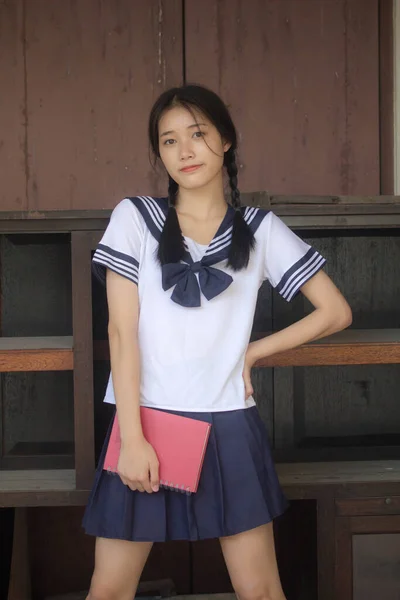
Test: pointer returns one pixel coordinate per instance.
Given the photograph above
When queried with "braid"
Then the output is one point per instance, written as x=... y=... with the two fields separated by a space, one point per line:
x=171 y=248
x=232 y=170
x=242 y=237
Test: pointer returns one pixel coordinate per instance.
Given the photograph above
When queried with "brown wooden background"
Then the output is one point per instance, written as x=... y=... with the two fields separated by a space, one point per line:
x=77 y=81
x=309 y=86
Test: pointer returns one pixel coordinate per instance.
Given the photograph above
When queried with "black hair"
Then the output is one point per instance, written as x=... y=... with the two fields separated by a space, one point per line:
x=171 y=246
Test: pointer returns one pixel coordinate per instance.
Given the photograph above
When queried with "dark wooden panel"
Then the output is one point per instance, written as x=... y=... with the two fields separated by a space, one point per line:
x=93 y=70
x=36 y=287
x=386 y=96
x=283 y=408
x=343 y=563
x=170 y=560
x=81 y=246
x=13 y=113
x=376 y=566
x=57 y=532
x=381 y=554
x=302 y=81
x=326 y=545
x=37 y=407
x=363 y=402
x=368 y=506
x=210 y=574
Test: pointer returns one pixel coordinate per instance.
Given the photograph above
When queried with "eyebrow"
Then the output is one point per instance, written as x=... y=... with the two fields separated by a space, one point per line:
x=190 y=126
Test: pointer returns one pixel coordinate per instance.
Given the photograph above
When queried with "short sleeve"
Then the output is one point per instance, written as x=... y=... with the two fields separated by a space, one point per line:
x=289 y=261
x=119 y=248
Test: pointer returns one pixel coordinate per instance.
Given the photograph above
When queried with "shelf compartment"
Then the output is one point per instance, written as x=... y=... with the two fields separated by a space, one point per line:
x=39 y=455
x=36 y=354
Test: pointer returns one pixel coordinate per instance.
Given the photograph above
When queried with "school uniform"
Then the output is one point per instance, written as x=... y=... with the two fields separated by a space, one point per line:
x=194 y=328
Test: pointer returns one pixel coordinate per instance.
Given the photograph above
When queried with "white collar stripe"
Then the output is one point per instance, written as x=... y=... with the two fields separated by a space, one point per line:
x=315 y=259
x=152 y=213
x=157 y=209
x=305 y=277
x=102 y=256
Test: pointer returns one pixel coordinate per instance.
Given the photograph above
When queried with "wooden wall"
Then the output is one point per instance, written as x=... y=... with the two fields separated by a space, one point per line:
x=301 y=78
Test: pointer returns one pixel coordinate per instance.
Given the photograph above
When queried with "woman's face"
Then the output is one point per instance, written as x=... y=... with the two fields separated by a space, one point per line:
x=191 y=149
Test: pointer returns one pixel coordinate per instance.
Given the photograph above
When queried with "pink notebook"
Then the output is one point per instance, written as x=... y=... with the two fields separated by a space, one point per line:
x=180 y=444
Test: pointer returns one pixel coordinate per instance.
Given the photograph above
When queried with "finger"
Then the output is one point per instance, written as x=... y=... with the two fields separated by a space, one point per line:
x=154 y=477
x=123 y=479
x=146 y=484
x=139 y=487
x=247 y=385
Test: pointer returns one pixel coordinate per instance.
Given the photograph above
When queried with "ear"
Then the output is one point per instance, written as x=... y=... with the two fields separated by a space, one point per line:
x=226 y=146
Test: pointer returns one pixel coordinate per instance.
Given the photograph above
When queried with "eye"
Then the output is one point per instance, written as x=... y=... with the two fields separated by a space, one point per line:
x=198 y=134
x=169 y=142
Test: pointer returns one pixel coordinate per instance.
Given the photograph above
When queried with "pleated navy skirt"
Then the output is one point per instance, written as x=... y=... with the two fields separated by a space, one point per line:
x=238 y=490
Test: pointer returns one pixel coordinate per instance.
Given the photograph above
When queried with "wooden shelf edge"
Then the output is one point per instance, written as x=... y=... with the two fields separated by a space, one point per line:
x=44 y=487
x=36 y=354
x=311 y=356
x=350 y=347
x=36 y=360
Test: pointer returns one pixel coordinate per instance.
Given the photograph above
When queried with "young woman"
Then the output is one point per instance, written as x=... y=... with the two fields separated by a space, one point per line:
x=182 y=276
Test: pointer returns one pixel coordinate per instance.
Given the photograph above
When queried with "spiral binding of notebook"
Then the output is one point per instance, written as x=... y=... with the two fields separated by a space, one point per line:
x=174 y=487
x=166 y=485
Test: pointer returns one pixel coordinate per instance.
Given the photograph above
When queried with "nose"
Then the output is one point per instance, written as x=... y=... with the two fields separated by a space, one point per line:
x=186 y=151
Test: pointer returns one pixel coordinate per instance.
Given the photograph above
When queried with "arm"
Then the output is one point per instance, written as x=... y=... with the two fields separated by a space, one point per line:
x=332 y=313
x=138 y=464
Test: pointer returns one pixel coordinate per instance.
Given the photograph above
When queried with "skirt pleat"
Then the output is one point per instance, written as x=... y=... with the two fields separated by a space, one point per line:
x=238 y=489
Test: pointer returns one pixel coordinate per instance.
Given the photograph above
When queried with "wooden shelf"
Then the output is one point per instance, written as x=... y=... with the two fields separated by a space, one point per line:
x=350 y=347
x=54 y=487
x=36 y=354
x=57 y=487
x=39 y=455
x=338 y=473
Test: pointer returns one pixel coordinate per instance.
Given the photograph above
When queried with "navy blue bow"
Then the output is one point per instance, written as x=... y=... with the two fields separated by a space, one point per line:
x=187 y=289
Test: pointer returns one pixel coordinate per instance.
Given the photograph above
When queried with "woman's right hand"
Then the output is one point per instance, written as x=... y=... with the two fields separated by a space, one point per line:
x=138 y=466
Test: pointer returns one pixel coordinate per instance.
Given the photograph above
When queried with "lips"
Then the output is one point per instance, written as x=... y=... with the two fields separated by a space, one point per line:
x=190 y=169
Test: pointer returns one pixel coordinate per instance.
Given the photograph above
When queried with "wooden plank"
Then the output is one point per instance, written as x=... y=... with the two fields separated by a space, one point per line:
x=36 y=354
x=326 y=212
x=375 y=564
x=352 y=507
x=102 y=79
x=326 y=545
x=343 y=560
x=27 y=344
x=45 y=487
x=350 y=347
x=314 y=67
x=386 y=96
x=338 y=473
x=334 y=200
x=13 y=107
x=353 y=346
x=37 y=480
x=20 y=575
x=81 y=247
